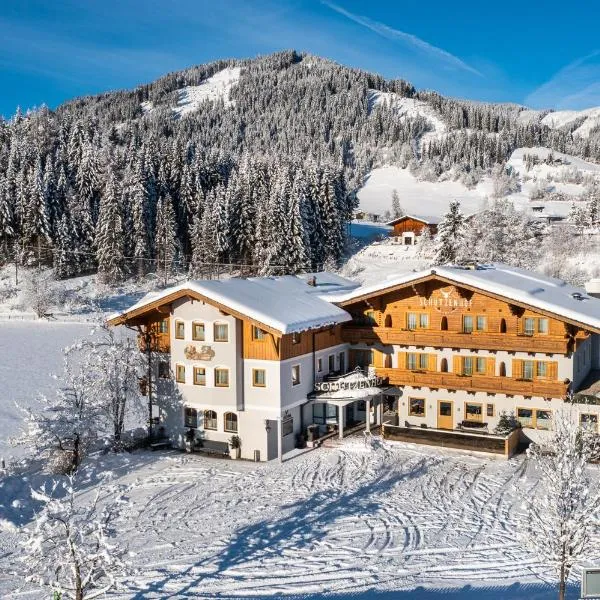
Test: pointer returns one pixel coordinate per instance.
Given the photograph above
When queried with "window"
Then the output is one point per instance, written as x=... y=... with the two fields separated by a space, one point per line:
x=210 y=419
x=221 y=331
x=589 y=422
x=180 y=374
x=163 y=370
x=198 y=331
x=221 y=377
x=411 y=321
x=411 y=361
x=467 y=324
x=468 y=365
x=473 y=411
x=423 y=321
x=295 y=374
x=444 y=365
x=480 y=365
x=231 y=422
x=481 y=323
x=528 y=369
x=444 y=324
x=541 y=369
x=319 y=365
x=259 y=378
x=502 y=369
x=423 y=362
x=331 y=362
x=489 y=410
x=361 y=358
x=528 y=326
x=199 y=376
x=525 y=417
x=287 y=426
x=417 y=321
x=163 y=326
x=543 y=419
x=179 y=330
x=296 y=337
x=416 y=407
x=370 y=317
x=502 y=325
x=543 y=326
x=342 y=362
x=258 y=334
x=190 y=417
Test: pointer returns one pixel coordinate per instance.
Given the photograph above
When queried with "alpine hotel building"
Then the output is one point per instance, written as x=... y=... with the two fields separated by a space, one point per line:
x=452 y=348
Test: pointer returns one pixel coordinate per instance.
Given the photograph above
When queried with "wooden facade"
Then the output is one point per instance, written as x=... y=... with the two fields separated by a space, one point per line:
x=408 y=224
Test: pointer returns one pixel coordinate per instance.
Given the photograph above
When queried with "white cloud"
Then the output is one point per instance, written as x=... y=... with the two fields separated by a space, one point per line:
x=575 y=87
x=395 y=34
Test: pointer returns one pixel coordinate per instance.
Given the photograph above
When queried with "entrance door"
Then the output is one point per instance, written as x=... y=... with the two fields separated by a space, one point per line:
x=445 y=418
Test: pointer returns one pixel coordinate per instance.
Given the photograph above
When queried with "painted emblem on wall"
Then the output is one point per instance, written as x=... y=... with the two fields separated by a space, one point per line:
x=449 y=301
x=192 y=353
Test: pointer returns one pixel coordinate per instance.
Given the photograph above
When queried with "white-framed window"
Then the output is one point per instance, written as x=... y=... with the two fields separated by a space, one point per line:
x=296 y=375
x=221 y=332
x=423 y=320
x=411 y=361
x=528 y=326
x=467 y=323
x=480 y=365
x=543 y=326
x=423 y=362
x=319 y=365
x=528 y=369
x=468 y=365
x=411 y=321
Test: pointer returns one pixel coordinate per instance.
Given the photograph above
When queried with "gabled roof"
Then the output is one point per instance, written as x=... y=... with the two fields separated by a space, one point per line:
x=283 y=304
x=430 y=220
x=523 y=288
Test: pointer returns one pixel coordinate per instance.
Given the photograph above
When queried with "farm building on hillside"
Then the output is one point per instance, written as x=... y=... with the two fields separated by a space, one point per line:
x=409 y=227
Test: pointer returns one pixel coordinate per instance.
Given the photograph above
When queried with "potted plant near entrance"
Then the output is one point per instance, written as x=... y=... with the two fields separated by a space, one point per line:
x=235 y=445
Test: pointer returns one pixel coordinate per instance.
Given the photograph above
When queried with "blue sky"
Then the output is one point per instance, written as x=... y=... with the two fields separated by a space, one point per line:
x=541 y=53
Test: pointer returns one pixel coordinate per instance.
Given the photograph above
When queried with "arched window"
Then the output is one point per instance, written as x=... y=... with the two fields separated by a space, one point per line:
x=444 y=325
x=502 y=369
x=444 y=365
x=210 y=419
x=231 y=422
x=502 y=325
x=388 y=361
x=388 y=320
x=190 y=417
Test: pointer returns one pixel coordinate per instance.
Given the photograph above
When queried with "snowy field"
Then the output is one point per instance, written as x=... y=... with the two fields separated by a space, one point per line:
x=347 y=521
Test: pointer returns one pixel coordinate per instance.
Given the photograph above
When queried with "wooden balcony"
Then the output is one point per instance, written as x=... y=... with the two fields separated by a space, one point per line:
x=451 y=339
x=159 y=343
x=475 y=383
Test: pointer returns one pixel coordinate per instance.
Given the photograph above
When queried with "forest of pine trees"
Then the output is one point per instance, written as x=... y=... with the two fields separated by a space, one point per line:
x=99 y=185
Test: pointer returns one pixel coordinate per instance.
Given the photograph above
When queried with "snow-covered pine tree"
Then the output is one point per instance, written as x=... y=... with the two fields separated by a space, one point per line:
x=564 y=504
x=449 y=235
x=165 y=241
x=397 y=210
x=36 y=228
x=140 y=222
x=65 y=256
x=7 y=231
x=296 y=255
x=71 y=548
x=110 y=234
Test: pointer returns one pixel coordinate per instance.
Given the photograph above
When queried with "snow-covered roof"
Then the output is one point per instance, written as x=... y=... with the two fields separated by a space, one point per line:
x=287 y=304
x=526 y=287
x=428 y=220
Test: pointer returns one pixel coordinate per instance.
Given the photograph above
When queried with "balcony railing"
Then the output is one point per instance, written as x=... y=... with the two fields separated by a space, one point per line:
x=450 y=339
x=476 y=383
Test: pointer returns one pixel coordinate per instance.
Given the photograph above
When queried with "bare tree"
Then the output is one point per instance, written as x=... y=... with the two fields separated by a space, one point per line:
x=39 y=292
x=71 y=547
x=561 y=515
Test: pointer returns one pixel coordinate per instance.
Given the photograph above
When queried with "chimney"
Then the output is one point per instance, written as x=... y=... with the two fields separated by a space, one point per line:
x=312 y=281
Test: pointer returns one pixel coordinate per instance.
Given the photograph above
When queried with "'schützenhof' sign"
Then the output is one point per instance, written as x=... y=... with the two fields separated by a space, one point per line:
x=360 y=384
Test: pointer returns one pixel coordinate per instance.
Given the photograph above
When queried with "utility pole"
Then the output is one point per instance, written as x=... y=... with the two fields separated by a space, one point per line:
x=148 y=339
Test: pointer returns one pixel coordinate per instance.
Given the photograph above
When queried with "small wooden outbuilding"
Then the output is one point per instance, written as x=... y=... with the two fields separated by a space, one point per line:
x=409 y=227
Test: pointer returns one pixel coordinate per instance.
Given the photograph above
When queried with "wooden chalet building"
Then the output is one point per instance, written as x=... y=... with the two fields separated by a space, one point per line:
x=410 y=227
x=448 y=350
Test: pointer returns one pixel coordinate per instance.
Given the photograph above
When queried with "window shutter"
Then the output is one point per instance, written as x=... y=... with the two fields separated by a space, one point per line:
x=456 y=364
x=552 y=370
x=433 y=362
x=402 y=360
x=378 y=358
x=517 y=368
x=490 y=367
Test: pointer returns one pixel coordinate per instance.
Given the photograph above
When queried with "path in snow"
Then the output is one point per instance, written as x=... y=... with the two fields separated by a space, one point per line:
x=343 y=520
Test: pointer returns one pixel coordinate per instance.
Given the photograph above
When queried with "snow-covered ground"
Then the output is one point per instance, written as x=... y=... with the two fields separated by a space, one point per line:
x=346 y=521
x=214 y=88
x=432 y=198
